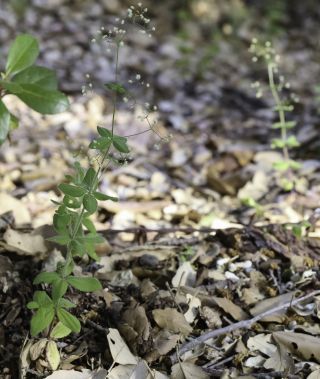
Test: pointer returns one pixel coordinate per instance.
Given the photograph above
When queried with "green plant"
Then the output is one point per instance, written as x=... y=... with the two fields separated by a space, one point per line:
x=36 y=86
x=283 y=105
x=299 y=229
x=252 y=203
x=71 y=221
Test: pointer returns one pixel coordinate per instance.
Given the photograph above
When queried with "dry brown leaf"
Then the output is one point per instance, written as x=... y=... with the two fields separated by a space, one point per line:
x=67 y=374
x=280 y=360
x=37 y=349
x=232 y=309
x=20 y=212
x=185 y=276
x=271 y=303
x=118 y=348
x=314 y=375
x=299 y=344
x=187 y=370
x=24 y=243
x=194 y=305
x=171 y=319
x=252 y=295
x=165 y=341
x=138 y=320
x=262 y=343
x=211 y=316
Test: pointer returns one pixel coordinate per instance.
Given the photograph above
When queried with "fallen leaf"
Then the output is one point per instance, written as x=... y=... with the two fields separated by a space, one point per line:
x=24 y=243
x=171 y=319
x=138 y=320
x=194 y=304
x=229 y=307
x=185 y=276
x=118 y=348
x=299 y=344
x=37 y=348
x=280 y=360
x=271 y=303
x=53 y=355
x=67 y=374
x=262 y=343
x=187 y=370
x=314 y=375
x=20 y=212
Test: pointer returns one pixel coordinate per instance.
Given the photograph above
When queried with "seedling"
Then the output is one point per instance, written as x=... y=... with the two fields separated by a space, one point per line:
x=283 y=105
x=36 y=86
x=81 y=194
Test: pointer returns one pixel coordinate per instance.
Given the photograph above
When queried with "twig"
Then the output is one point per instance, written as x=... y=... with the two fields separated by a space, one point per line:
x=244 y=324
x=160 y=230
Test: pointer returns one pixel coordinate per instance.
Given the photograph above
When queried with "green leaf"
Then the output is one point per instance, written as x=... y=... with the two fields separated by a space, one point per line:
x=90 y=179
x=101 y=143
x=32 y=305
x=68 y=320
x=120 y=143
x=41 y=99
x=60 y=240
x=4 y=122
x=281 y=165
x=76 y=247
x=14 y=122
x=43 y=299
x=59 y=288
x=278 y=143
x=292 y=142
x=91 y=239
x=46 y=277
x=90 y=203
x=285 y=108
x=104 y=132
x=89 y=225
x=92 y=253
x=64 y=303
x=41 y=76
x=22 y=54
x=80 y=173
x=294 y=165
x=41 y=320
x=61 y=222
x=71 y=202
x=285 y=125
x=84 y=284
x=102 y=196
x=60 y=331
x=71 y=190
x=116 y=87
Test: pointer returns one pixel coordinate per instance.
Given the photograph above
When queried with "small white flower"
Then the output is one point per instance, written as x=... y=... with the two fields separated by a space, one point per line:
x=138 y=76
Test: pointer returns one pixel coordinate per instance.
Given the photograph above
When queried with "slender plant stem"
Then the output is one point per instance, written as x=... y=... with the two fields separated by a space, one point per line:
x=281 y=112
x=105 y=155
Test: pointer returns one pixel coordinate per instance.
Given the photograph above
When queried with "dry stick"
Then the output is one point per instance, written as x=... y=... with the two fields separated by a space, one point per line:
x=160 y=230
x=244 y=324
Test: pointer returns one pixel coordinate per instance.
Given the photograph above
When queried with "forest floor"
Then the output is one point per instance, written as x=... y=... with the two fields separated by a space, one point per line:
x=185 y=256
